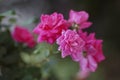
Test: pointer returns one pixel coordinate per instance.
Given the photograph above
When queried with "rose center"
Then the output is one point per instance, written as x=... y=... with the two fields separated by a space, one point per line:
x=75 y=26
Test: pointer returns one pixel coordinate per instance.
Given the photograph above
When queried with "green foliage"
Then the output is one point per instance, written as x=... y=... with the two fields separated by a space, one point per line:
x=98 y=75
x=50 y=64
x=65 y=69
x=38 y=56
x=8 y=49
x=12 y=20
x=11 y=65
x=29 y=21
x=8 y=13
x=1 y=17
x=9 y=56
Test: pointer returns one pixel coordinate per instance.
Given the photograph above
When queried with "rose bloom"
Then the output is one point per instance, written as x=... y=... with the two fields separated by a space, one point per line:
x=50 y=27
x=92 y=52
x=79 y=19
x=71 y=44
x=23 y=35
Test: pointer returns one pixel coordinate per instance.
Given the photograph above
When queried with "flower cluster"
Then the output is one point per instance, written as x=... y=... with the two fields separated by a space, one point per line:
x=82 y=47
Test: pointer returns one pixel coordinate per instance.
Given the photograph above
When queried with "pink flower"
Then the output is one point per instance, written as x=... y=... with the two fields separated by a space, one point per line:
x=80 y=19
x=71 y=44
x=22 y=35
x=50 y=27
x=92 y=52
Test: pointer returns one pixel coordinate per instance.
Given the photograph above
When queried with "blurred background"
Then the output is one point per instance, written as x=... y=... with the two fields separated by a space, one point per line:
x=105 y=15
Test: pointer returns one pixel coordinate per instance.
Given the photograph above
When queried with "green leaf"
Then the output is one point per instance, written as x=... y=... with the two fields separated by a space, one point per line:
x=98 y=75
x=34 y=59
x=37 y=58
x=12 y=20
x=6 y=39
x=42 y=47
x=1 y=17
x=26 y=57
x=29 y=21
x=40 y=55
x=8 y=13
x=2 y=51
x=36 y=20
x=65 y=69
x=28 y=77
x=10 y=59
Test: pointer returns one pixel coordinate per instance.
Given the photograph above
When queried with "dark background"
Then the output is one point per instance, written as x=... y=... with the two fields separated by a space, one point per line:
x=105 y=15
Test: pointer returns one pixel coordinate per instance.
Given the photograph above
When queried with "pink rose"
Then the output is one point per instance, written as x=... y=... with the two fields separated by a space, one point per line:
x=50 y=27
x=22 y=35
x=92 y=52
x=71 y=44
x=80 y=19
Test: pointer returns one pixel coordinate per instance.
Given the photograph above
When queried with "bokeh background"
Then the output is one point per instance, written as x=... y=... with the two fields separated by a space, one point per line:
x=105 y=15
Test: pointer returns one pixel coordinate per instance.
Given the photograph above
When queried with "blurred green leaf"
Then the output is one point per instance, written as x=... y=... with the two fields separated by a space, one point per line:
x=1 y=17
x=42 y=47
x=12 y=20
x=10 y=59
x=26 y=57
x=34 y=72
x=36 y=20
x=98 y=75
x=65 y=69
x=9 y=53
x=6 y=39
x=34 y=59
x=2 y=51
x=47 y=69
x=40 y=54
x=8 y=13
x=29 y=21
x=28 y=77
